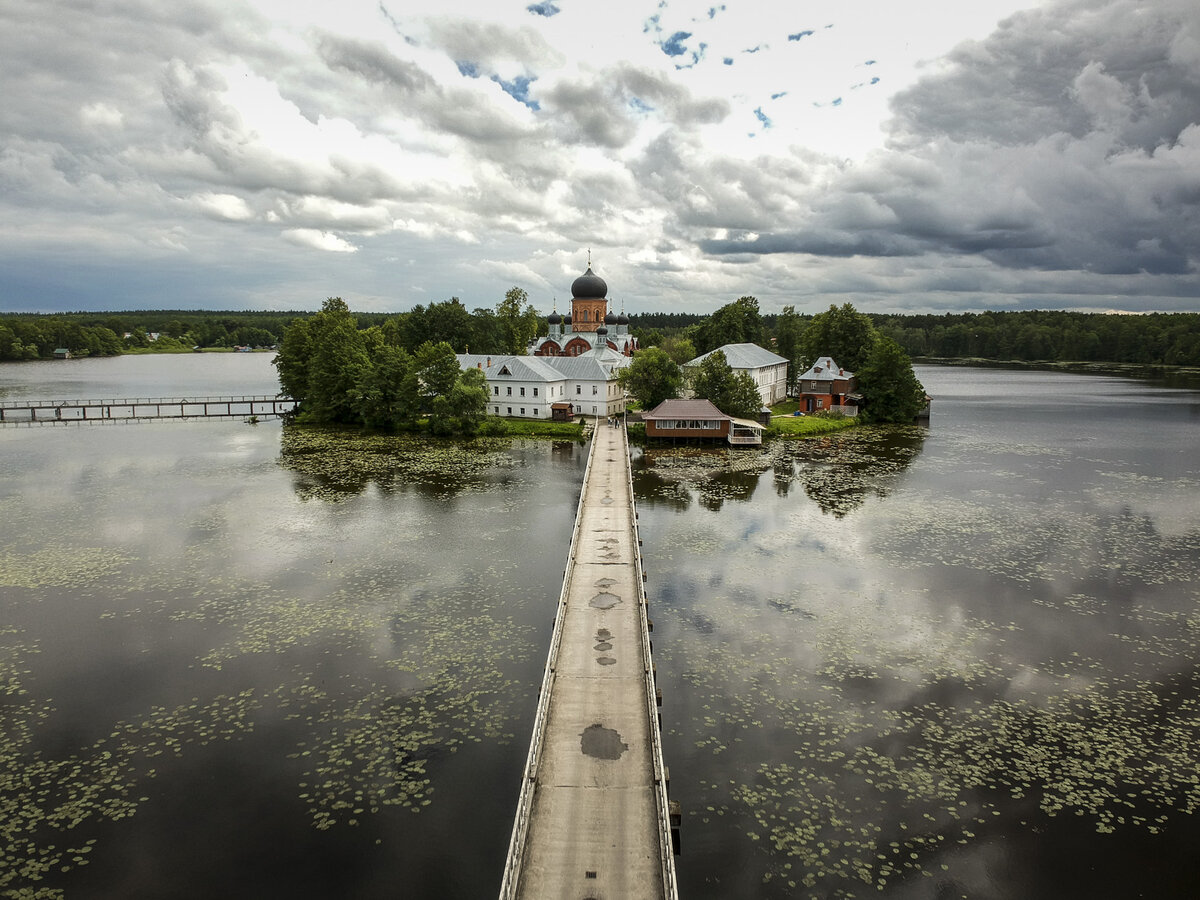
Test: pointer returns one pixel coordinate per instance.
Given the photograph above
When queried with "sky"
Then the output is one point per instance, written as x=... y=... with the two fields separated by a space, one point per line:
x=940 y=156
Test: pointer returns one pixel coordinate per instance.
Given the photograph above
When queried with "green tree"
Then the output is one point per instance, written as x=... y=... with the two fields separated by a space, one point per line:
x=743 y=400
x=449 y=322
x=733 y=393
x=788 y=329
x=712 y=379
x=387 y=395
x=518 y=321
x=889 y=387
x=337 y=364
x=651 y=378
x=292 y=360
x=468 y=401
x=436 y=370
x=843 y=333
x=734 y=323
x=679 y=348
x=486 y=334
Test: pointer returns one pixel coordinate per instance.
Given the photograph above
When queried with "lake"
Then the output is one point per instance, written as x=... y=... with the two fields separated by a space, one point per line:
x=257 y=660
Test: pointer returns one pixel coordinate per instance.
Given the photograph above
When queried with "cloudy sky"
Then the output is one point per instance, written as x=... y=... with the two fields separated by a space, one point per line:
x=933 y=156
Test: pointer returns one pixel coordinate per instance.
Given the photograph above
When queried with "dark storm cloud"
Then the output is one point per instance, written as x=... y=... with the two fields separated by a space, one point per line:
x=375 y=63
x=605 y=109
x=1068 y=142
x=1066 y=68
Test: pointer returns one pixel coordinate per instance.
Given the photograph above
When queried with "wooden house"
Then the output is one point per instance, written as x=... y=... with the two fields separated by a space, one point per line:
x=699 y=420
x=827 y=386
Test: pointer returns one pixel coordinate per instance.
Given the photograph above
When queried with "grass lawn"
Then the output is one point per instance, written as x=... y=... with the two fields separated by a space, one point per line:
x=786 y=425
x=525 y=428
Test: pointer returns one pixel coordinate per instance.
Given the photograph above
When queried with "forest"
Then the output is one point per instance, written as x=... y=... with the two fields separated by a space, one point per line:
x=1170 y=339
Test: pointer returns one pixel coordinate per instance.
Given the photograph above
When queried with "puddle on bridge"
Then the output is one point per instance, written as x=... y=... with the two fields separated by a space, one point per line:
x=604 y=600
x=599 y=742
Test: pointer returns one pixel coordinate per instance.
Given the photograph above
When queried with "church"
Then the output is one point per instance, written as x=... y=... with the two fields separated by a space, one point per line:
x=589 y=325
x=570 y=372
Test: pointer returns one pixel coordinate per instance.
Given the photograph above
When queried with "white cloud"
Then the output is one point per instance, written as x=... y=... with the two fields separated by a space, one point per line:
x=318 y=240
x=224 y=206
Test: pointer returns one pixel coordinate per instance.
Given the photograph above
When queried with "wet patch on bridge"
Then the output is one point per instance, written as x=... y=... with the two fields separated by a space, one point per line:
x=599 y=742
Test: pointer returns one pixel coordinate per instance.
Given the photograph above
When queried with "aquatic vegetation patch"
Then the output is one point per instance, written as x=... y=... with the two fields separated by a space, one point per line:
x=896 y=739
x=59 y=566
x=339 y=464
x=44 y=800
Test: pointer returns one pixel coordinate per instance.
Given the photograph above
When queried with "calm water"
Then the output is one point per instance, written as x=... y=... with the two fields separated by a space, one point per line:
x=253 y=661
x=244 y=661
x=954 y=662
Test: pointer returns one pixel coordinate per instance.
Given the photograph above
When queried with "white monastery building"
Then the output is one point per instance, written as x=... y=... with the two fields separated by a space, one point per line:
x=570 y=372
x=769 y=370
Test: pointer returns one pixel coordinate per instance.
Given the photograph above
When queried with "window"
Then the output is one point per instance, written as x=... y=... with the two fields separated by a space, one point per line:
x=535 y=392
x=522 y=392
x=535 y=410
x=509 y=389
x=578 y=390
x=496 y=390
x=595 y=390
x=497 y=410
x=510 y=410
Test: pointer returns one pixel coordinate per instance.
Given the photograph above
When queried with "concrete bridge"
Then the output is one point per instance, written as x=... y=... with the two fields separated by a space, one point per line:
x=594 y=819
x=24 y=411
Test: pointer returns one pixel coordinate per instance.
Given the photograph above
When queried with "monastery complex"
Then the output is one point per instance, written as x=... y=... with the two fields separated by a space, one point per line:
x=572 y=371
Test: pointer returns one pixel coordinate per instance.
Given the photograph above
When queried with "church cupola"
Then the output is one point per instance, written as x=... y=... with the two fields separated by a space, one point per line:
x=589 y=303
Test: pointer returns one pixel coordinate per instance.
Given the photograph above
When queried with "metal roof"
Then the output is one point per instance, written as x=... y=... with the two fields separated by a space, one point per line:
x=592 y=366
x=743 y=356
x=825 y=369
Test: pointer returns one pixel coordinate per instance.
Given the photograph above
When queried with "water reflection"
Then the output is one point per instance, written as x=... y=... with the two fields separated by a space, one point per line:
x=839 y=471
x=331 y=465
x=956 y=654
x=216 y=688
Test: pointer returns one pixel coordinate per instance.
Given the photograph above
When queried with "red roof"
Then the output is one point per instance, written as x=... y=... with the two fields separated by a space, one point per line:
x=685 y=409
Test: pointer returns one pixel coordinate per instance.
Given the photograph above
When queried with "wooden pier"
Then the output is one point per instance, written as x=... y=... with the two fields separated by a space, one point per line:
x=29 y=411
x=594 y=818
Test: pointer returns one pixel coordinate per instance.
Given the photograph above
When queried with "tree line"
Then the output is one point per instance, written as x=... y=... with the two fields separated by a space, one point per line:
x=342 y=374
x=507 y=328
x=1171 y=339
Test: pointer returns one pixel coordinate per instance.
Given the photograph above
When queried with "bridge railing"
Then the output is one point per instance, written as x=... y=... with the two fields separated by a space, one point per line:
x=662 y=800
x=142 y=401
x=520 y=832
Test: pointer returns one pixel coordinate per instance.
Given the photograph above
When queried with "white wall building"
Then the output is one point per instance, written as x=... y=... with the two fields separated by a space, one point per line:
x=526 y=387
x=769 y=370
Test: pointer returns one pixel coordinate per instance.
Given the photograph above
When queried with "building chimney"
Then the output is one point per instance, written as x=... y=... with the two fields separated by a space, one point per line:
x=489 y=362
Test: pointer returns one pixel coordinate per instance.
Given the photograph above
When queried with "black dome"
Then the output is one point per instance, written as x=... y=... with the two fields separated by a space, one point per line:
x=554 y=319
x=589 y=286
x=622 y=319
x=602 y=331
x=567 y=319
x=610 y=319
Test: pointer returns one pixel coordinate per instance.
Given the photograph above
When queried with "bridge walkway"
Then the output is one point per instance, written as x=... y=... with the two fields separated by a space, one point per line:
x=131 y=408
x=594 y=820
